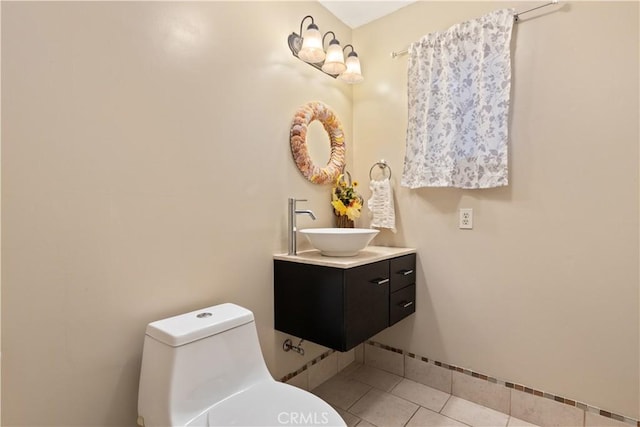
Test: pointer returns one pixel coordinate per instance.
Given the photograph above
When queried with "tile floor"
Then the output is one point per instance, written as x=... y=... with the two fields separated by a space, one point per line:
x=366 y=396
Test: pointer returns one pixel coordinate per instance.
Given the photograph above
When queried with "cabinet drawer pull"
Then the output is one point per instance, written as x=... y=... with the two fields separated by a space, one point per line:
x=406 y=272
x=380 y=281
x=407 y=304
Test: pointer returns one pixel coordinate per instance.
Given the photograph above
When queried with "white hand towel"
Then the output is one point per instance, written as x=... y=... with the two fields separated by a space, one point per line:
x=380 y=205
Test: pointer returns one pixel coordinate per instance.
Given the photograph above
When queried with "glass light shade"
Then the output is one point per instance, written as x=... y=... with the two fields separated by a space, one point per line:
x=334 y=62
x=353 y=73
x=311 y=50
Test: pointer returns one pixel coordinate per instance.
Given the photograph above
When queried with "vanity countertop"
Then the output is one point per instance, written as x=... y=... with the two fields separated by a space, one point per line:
x=366 y=256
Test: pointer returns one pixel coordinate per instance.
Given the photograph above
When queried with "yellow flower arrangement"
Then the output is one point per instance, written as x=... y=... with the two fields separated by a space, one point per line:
x=345 y=200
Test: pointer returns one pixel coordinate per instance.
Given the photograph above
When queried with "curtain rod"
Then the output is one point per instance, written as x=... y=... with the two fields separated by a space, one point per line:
x=516 y=18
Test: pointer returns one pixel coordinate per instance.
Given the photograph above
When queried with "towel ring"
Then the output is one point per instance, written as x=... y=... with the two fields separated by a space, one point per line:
x=382 y=164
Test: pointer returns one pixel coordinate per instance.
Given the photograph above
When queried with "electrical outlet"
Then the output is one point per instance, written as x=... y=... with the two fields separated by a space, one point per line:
x=465 y=219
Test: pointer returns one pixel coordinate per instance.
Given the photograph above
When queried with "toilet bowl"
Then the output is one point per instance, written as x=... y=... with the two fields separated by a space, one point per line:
x=205 y=368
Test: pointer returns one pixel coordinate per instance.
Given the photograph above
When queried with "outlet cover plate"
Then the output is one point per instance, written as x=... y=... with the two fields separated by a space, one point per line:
x=465 y=219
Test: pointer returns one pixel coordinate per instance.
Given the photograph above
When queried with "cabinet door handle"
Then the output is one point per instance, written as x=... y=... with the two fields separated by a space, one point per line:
x=407 y=304
x=380 y=281
x=406 y=272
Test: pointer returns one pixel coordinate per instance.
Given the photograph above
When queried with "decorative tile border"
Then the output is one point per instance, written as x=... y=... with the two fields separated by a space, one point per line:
x=307 y=366
x=514 y=386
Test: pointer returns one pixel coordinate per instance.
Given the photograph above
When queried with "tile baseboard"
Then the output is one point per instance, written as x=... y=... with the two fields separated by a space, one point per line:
x=498 y=382
x=318 y=370
x=306 y=366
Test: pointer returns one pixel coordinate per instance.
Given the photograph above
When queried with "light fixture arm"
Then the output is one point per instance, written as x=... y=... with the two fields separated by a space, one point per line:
x=302 y=23
x=334 y=40
x=353 y=51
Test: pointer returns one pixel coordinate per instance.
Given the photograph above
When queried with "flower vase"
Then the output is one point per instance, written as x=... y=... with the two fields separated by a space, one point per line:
x=343 y=221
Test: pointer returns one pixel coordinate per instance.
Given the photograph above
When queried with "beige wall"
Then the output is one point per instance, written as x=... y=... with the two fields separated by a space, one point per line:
x=544 y=290
x=146 y=170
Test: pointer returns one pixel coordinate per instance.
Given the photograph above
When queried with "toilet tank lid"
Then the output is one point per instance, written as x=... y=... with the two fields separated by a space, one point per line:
x=185 y=328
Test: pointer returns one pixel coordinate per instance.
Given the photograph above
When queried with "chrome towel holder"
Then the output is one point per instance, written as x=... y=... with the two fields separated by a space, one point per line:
x=382 y=164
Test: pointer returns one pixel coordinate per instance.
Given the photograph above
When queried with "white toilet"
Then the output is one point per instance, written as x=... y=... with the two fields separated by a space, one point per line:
x=205 y=368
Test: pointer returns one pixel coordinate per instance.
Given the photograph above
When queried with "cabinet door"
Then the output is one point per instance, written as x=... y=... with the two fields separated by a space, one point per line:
x=308 y=302
x=403 y=271
x=366 y=302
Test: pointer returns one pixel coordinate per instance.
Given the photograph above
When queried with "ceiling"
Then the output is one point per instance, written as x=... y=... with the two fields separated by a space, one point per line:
x=357 y=13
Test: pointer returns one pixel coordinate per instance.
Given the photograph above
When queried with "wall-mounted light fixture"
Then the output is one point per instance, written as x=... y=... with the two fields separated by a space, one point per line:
x=309 y=47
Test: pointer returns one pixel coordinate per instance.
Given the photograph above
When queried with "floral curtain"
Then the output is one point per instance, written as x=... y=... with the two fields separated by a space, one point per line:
x=459 y=82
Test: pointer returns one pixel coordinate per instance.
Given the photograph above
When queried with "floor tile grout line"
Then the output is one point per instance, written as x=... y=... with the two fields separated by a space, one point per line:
x=451 y=418
x=482 y=407
x=373 y=386
x=445 y=404
x=359 y=399
x=412 y=415
x=394 y=387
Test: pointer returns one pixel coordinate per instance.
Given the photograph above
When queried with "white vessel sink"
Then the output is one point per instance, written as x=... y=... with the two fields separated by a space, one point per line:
x=339 y=241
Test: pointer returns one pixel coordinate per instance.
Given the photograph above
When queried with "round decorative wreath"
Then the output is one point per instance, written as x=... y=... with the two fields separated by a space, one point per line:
x=298 y=139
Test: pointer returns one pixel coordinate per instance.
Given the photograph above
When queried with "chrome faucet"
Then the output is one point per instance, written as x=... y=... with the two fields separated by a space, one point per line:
x=292 y=223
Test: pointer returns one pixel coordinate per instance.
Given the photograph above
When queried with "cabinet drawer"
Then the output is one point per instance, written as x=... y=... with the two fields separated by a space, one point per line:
x=403 y=271
x=402 y=303
x=374 y=274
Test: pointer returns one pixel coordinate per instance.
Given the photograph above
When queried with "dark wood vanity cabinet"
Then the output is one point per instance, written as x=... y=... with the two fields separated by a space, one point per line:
x=341 y=307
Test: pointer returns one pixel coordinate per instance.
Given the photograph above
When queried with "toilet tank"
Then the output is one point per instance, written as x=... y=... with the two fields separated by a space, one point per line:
x=194 y=360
